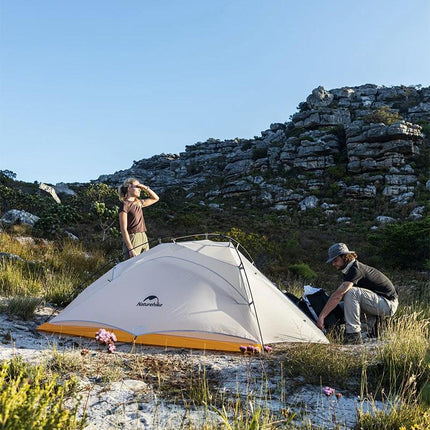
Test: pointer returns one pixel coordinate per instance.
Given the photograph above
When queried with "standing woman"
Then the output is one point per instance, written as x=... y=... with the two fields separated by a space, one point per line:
x=131 y=220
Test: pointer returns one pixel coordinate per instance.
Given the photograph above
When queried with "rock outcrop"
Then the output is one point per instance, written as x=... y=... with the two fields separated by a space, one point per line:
x=353 y=142
x=15 y=216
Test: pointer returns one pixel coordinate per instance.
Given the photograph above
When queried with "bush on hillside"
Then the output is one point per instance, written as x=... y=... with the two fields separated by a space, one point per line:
x=303 y=271
x=383 y=114
x=103 y=207
x=106 y=217
x=7 y=177
x=258 y=153
x=54 y=218
x=425 y=127
x=260 y=248
x=404 y=245
x=173 y=198
x=14 y=198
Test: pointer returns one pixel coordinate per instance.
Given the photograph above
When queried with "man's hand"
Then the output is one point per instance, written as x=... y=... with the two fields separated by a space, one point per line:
x=333 y=301
x=320 y=323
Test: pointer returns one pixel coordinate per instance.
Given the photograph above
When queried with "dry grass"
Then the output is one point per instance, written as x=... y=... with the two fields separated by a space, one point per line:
x=54 y=271
x=398 y=365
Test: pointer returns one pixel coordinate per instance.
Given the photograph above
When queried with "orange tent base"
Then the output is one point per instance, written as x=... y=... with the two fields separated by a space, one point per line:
x=147 y=339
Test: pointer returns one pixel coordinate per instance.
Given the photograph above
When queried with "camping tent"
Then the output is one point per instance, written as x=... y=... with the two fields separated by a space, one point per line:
x=195 y=294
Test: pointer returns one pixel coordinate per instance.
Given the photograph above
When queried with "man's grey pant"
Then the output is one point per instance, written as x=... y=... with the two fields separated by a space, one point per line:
x=364 y=306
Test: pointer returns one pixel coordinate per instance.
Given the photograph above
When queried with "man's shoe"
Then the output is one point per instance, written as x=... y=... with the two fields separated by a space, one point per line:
x=353 y=339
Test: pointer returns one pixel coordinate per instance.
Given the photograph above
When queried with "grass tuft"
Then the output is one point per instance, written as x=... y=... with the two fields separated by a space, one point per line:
x=23 y=307
x=326 y=364
x=403 y=355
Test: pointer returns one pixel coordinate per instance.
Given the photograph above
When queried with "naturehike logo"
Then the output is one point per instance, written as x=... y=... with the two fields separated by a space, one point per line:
x=150 y=301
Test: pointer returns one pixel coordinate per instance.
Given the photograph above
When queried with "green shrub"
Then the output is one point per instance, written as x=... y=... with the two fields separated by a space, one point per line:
x=189 y=220
x=7 y=177
x=54 y=218
x=48 y=226
x=337 y=172
x=306 y=138
x=303 y=271
x=294 y=131
x=425 y=127
x=333 y=190
x=100 y=201
x=383 y=114
x=338 y=131
x=246 y=146
x=172 y=198
x=421 y=161
x=258 y=153
x=101 y=192
x=260 y=249
x=106 y=216
x=405 y=245
x=34 y=402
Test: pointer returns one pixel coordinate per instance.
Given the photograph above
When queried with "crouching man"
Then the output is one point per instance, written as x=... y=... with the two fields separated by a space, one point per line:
x=367 y=293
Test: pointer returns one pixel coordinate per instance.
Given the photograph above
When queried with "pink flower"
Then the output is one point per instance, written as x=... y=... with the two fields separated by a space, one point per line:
x=328 y=391
x=106 y=338
x=268 y=348
x=253 y=349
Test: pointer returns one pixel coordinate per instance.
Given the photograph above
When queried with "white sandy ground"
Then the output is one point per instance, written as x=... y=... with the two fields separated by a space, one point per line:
x=133 y=404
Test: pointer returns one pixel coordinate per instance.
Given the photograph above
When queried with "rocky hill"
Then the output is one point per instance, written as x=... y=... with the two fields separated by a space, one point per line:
x=367 y=143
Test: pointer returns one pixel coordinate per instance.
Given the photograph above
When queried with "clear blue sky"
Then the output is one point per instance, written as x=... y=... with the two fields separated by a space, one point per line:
x=86 y=87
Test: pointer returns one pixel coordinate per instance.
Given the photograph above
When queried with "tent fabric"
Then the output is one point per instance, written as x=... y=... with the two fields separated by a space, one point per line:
x=196 y=294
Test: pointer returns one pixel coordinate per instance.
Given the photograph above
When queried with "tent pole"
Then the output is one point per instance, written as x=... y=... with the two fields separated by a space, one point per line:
x=242 y=267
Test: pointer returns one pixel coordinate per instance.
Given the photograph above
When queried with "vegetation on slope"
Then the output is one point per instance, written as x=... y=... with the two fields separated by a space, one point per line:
x=42 y=264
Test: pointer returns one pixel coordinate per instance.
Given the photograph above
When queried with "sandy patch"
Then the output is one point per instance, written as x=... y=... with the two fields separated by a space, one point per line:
x=150 y=388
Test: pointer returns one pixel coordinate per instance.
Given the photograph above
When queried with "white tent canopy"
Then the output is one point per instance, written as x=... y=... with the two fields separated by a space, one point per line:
x=197 y=294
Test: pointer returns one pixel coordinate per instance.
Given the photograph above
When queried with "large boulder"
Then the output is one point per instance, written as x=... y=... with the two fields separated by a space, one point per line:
x=15 y=216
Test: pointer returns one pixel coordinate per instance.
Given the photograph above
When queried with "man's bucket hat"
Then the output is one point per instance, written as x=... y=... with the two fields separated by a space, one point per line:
x=336 y=250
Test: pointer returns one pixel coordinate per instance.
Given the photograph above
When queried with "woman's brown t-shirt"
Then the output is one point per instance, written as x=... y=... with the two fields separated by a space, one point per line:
x=135 y=219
